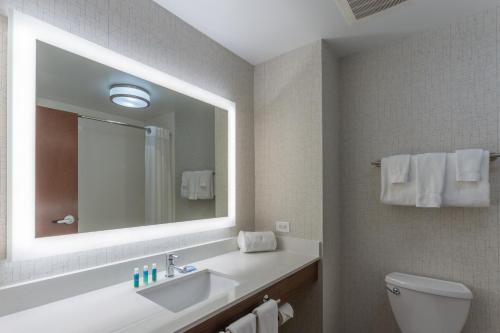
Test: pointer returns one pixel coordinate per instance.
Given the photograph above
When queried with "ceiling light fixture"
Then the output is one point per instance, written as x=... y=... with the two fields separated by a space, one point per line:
x=129 y=96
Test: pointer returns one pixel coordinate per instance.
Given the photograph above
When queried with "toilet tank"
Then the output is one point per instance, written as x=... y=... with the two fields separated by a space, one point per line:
x=423 y=305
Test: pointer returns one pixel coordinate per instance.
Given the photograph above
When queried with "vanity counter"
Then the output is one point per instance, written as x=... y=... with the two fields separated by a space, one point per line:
x=119 y=308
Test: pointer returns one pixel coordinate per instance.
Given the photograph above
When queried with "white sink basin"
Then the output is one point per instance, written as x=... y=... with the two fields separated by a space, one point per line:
x=186 y=291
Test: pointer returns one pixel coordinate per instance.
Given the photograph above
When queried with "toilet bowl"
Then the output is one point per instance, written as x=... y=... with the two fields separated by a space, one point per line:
x=425 y=305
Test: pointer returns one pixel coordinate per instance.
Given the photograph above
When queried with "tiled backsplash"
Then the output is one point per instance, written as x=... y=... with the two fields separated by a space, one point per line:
x=146 y=32
x=20 y=271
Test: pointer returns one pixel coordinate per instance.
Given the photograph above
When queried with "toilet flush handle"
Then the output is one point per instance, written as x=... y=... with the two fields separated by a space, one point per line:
x=394 y=290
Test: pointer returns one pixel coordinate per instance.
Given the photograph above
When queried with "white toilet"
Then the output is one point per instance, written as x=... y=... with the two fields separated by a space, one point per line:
x=425 y=305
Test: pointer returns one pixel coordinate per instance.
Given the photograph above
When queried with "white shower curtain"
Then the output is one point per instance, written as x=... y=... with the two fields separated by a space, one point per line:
x=159 y=176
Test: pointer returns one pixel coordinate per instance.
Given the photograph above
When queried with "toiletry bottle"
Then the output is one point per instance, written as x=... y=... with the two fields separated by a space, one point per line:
x=145 y=275
x=136 y=277
x=153 y=272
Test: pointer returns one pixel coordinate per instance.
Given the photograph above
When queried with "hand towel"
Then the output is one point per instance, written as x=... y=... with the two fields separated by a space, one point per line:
x=205 y=190
x=398 y=167
x=256 y=241
x=193 y=188
x=185 y=184
x=402 y=194
x=267 y=317
x=246 y=324
x=189 y=185
x=431 y=169
x=467 y=194
x=285 y=313
x=469 y=165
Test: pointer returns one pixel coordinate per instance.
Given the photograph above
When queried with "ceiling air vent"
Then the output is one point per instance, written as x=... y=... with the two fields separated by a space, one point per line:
x=358 y=9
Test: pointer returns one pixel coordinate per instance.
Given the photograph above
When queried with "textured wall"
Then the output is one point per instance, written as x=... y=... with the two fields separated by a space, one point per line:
x=436 y=91
x=296 y=167
x=288 y=161
x=331 y=209
x=146 y=32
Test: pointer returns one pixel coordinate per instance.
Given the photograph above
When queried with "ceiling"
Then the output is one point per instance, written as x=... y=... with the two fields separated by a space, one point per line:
x=258 y=30
x=68 y=78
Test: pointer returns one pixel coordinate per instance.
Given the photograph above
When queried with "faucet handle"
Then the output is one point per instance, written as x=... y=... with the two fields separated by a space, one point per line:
x=172 y=256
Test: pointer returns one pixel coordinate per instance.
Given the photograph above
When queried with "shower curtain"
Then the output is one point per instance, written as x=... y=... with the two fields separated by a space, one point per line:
x=159 y=176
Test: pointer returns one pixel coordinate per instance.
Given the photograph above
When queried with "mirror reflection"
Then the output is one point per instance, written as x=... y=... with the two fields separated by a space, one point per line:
x=115 y=151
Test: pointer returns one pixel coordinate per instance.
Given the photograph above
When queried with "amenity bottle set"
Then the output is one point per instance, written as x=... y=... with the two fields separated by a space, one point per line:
x=145 y=275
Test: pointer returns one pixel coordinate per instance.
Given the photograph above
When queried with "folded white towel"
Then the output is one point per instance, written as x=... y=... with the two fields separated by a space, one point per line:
x=467 y=194
x=468 y=166
x=256 y=241
x=185 y=184
x=267 y=317
x=398 y=167
x=431 y=169
x=189 y=185
x=205 y=190
x=246 y=324
x=402 y=194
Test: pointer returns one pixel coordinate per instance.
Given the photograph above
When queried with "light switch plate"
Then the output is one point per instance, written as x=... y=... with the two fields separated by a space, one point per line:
x=282 y=226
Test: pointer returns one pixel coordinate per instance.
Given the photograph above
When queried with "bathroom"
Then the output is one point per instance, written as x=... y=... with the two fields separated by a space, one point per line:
x=286 y=107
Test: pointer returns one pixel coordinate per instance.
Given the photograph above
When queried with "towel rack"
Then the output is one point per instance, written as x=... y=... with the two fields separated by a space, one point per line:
x=264 y=299
x=493 y=157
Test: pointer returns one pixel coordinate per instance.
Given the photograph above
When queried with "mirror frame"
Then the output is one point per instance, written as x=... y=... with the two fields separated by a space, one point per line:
x=24 y=31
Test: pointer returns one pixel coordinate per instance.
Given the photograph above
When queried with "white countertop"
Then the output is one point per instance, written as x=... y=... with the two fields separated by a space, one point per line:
x=119 y=308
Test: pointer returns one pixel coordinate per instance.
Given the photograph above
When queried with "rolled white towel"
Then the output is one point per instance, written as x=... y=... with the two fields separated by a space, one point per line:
x=257 y=241
x=469 y=165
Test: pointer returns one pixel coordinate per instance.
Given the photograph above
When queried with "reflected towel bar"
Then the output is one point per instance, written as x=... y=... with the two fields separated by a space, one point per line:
x=493 y=157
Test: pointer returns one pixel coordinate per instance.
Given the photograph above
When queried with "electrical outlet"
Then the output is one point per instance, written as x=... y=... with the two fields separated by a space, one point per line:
x=282 y=226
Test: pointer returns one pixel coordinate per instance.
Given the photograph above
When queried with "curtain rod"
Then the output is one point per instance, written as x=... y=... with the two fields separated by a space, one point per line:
x=114 y=122
x=493 y=157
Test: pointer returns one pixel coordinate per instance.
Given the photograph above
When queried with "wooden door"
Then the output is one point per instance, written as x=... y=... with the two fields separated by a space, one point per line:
x=56 y=171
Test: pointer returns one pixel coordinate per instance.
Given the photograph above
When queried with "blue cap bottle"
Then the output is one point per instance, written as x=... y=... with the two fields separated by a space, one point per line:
x=145 y=275
x=153 y=272
x=136 y=277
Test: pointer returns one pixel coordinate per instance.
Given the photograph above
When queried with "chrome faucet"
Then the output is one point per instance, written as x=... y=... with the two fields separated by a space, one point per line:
x=171 y=264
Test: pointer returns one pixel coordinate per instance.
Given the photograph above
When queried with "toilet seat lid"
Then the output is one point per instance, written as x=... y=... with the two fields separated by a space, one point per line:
x=429 y=285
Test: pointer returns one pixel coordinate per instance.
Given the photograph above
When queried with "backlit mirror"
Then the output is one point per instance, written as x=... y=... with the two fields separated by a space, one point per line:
x=116 y=151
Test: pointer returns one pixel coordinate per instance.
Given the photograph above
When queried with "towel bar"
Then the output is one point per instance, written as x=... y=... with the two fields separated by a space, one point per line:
x=264 y=299
x=493 y=157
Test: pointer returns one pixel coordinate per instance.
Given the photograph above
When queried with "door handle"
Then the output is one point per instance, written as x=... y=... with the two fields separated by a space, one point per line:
x=68 y=219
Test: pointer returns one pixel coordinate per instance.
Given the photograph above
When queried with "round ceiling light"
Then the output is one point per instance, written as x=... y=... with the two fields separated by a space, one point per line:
x=129 y=96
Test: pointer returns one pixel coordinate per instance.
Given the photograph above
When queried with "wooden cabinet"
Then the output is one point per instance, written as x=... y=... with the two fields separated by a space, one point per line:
x=280 y=290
